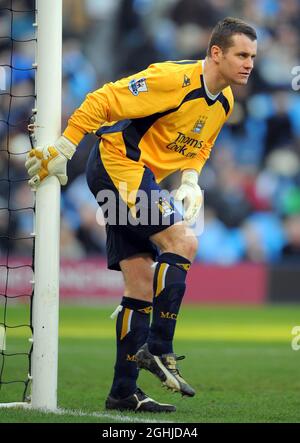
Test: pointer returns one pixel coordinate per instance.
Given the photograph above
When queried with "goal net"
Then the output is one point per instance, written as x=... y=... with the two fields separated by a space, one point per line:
x=17 y=98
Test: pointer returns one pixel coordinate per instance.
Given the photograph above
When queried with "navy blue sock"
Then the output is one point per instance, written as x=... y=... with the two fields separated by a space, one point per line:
x=169 y=288
x=132 y=329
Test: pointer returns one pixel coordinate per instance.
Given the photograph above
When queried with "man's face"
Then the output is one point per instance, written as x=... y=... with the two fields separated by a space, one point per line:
x=236 y=63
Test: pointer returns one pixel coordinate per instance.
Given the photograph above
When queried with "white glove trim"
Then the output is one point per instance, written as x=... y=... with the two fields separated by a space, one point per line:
x=65 y=147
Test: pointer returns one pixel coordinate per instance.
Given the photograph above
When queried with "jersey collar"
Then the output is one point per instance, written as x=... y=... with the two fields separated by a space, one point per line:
x=209 y=97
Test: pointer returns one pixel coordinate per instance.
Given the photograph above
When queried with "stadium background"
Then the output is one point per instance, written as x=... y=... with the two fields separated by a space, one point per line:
x=251 y=182
x=249 y=252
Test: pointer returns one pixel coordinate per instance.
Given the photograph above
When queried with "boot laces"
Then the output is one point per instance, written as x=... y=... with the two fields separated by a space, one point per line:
x=171 y=363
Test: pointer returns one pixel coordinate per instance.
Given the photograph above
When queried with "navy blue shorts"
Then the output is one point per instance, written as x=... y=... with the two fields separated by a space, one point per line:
x=127 y=236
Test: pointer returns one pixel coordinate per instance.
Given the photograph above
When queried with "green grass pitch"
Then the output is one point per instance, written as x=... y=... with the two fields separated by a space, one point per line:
x=239 y=360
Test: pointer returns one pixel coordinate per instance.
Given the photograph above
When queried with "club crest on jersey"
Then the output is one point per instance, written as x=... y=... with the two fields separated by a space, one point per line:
x=137 y=86
x=199 y=124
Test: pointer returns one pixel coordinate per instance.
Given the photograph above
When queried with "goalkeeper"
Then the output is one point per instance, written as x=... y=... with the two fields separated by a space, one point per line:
x=151 y=124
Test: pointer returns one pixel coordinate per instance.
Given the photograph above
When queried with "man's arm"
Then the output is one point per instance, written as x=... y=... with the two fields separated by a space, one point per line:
x=155 y=89
x=189 y=189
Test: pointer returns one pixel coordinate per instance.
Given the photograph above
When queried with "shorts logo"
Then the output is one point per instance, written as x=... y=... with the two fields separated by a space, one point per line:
x=199 y=124
x=165 y=207
x=137 y=86
x=147 y=310
x=184 y=266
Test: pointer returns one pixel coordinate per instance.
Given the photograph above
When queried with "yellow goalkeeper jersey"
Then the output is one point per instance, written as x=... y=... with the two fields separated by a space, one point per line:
x=162 y=117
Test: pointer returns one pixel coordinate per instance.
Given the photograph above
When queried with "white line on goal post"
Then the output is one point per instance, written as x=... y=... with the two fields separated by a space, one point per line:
x=45 y=308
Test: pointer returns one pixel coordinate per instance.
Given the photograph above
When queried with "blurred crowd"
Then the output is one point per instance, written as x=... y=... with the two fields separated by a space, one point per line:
x=251 y=182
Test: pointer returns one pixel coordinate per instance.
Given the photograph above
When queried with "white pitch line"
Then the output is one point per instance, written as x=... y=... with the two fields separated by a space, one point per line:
x=119 y=418
x=79 y=413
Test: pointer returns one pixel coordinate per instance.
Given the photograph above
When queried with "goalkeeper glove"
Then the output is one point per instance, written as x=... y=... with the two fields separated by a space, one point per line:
x=190 y=190
x=50 y=160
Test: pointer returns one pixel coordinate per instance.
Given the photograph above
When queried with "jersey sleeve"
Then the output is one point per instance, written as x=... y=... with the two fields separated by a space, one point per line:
x=155 y=89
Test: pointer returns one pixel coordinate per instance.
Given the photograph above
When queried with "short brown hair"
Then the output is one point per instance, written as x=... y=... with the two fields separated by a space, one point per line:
x=224 y=31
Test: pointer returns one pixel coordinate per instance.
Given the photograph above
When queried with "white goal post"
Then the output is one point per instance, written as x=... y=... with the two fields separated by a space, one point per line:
x=45 y=308
x=47 y=227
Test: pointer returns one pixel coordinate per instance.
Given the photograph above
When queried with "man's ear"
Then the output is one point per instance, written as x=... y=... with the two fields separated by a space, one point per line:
x=216 y=53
